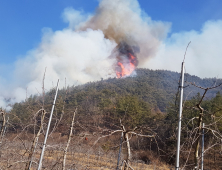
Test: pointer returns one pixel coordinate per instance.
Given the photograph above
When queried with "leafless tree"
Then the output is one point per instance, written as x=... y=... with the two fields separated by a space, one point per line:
x=69 y=139
x=193 y=136
x=128 y=134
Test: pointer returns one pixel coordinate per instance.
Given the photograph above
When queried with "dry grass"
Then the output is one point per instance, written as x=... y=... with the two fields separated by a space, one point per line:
x=52 y=160
x=81 y=155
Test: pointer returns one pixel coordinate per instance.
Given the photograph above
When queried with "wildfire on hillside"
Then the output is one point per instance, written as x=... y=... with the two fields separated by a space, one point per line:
x=126 y=60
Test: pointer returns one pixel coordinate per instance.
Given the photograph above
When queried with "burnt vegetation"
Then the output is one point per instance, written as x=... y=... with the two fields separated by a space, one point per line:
x=144 y=107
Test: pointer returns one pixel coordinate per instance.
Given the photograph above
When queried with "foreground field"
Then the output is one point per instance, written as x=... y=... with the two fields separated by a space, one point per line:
x=74 y=161
x=79 y=157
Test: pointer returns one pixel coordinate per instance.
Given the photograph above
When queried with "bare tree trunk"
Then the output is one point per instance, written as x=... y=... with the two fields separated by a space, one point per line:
x=69 y=139
x=126 y=138
x=128 y=149
x=127 y=164
x=196 y=155
x=200 y=122
x=34 y=143
x=3 y=124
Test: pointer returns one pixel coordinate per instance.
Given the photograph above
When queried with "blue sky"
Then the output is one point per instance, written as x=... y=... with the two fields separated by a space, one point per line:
x=22 y=21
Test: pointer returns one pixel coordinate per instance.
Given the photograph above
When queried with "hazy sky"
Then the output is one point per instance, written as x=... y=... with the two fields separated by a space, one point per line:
x=69 y=37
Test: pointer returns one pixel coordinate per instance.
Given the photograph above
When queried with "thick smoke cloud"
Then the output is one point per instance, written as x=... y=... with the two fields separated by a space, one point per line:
x=80 y=53
x=204 y=55
x=124 y=21
x=77 y=56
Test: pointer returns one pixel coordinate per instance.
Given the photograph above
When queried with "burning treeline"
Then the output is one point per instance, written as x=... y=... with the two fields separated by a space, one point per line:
x=137 y=38
x=126 y=59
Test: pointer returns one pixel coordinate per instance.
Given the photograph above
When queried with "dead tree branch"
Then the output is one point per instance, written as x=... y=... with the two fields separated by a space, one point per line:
x=69 y=139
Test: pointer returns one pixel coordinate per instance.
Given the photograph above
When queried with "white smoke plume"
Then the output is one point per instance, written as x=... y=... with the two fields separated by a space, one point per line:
x=124 y=21
x=204 y=54
x=80 y=53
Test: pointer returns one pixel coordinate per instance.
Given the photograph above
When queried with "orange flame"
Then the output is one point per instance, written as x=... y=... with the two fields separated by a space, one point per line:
x=126 y=68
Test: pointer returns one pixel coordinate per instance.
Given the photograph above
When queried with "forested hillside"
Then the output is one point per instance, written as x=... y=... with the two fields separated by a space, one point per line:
x=146 y=104
x=158 y=88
